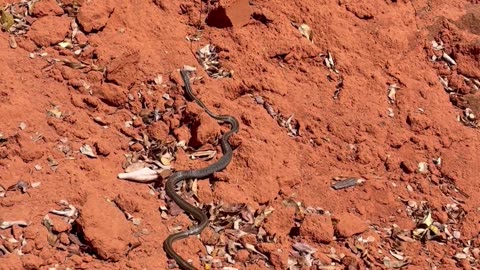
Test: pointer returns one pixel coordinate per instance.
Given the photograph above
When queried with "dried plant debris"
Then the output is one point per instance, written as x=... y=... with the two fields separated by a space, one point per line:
x=301 y=256
x=7 y=224
x=235 y=228
x=291 y=124
x=12 y=20
x=142 y=175
x=342 y=183
x=438 y=46
x=207 y=56
x=392 y=91
x=329 y=62
x=305 y=30
x=55 y=112
x=428 y=229
x=468 y=118
x=67 y=210
x=394 y=264
x=21 y=186
x=87 y=151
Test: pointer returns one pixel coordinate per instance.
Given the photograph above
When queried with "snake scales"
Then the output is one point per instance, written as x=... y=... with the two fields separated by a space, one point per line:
x=180 y=176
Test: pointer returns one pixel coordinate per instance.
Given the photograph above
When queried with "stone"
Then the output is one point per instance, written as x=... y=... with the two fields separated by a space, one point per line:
x=59 y=224
x=124 y=68
x=46 y=8
x=205 y=131
x=158 y=131
x=230 y=13
x=349 y=224
x=93 y=15
x=32 y=262
x=317 y=228
x=49 y=30
x=11 y=262
x=105 y=228
x=112 y=94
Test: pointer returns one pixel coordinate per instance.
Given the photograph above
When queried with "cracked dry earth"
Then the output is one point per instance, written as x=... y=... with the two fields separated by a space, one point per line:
x=359 y=150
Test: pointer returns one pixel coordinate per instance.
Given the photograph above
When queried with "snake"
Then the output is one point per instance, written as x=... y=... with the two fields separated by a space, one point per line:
x=179 y=176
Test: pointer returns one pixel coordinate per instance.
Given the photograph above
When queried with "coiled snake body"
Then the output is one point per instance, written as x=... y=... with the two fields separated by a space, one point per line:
x=180 y=176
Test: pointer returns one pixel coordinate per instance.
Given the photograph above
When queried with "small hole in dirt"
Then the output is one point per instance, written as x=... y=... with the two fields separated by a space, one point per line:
x=261 y=18
x=294 y=232
x=77 y=232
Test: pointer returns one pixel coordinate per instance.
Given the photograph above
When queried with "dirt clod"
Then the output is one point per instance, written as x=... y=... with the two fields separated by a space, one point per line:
x=317 y=228
x=349 y=224
x=49 y=30
x=105 y=228
x=46 y=8
x=311 y=85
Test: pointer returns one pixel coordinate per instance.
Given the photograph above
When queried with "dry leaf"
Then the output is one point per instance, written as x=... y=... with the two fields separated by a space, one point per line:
x=392 y=91
x=7 y=224
x=87 y=151
x=70 y=211
x=306 y=31
x=393 y=264
x=55 y=112
x=6 y=20
x=205 y=155
x=66 y=44
x=12 y=42
x=166 y=159
x=158 y=80
x=422 y=167
x=143 y=175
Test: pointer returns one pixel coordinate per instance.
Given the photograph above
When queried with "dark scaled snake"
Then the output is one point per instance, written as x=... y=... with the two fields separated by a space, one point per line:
x=202 y=173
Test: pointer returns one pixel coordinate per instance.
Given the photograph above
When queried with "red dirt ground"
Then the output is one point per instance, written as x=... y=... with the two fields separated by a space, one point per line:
x=359 y=134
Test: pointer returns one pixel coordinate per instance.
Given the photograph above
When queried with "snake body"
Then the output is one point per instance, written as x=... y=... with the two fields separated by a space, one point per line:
x=180 y=176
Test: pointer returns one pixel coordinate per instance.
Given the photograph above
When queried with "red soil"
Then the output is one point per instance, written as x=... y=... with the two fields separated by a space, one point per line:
x=358 y=134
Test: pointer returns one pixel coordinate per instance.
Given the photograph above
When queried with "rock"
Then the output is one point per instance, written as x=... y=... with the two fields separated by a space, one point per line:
x=277 y=257
x=26 y=44
x=361 y=10
x=49 y=30
x=32 y=262
x=59 y=225
x=93 y=15
x=317 y=228
x=230 y=13
x=418 y=122
x=112 y=95
x=322 y=258
x=46 y=8
x=205 y=132
x=127 y=202
x=63 y=239
x=29 y=150
x=280 y=221
x=158 y=131
x=182 y=134
x=81 y=38
x=242 y=255
x=11 y=262
x=105 y=228
x=123 y=69
x=408 y=166
x=348 y=225
x=102 y=148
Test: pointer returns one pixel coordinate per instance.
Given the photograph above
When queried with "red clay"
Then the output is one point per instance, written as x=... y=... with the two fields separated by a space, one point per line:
x=103 y=84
